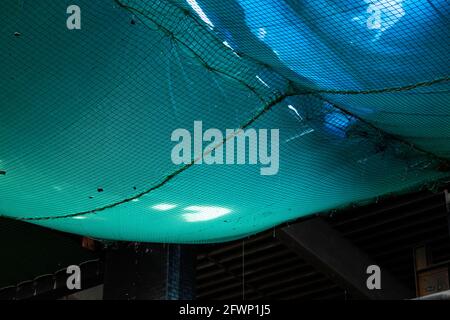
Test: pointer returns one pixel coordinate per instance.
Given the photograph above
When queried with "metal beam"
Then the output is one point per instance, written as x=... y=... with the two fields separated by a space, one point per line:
x=328 y=251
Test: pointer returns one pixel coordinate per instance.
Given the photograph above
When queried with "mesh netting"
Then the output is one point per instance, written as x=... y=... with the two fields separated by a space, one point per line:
x=358 y=90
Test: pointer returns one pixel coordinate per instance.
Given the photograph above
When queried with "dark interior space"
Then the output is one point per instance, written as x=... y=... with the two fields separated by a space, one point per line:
x=392 y=232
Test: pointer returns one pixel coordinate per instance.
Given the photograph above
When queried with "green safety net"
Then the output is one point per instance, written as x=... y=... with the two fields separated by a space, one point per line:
x=358 y=89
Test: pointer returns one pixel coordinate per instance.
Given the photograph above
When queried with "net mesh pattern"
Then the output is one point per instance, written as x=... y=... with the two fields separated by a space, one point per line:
x=358 y=90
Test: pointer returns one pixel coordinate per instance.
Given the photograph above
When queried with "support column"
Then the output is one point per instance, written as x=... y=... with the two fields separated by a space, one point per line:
x=447 y=206
x=147 y=271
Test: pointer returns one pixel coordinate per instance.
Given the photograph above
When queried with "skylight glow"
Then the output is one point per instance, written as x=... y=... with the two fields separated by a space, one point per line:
x=200 y=12
x=204 y=213
x=262 y=81
x=164 y=206
x=295 y=110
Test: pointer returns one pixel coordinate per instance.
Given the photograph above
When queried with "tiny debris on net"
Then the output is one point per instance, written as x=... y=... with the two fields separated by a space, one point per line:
x=2 y=172
x=17 y=34
x=100 y=189
x=444 y=166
